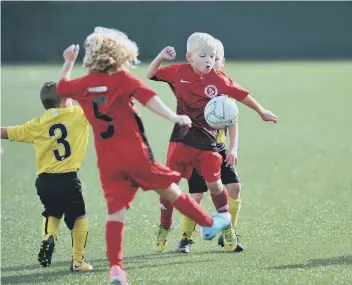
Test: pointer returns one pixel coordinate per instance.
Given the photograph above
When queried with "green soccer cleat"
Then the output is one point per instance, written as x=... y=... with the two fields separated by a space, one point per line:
x=161 y=239
x=239 y=247
x=230 y=239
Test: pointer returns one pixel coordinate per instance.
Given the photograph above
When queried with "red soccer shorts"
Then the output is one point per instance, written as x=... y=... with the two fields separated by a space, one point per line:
x=183 y=159
x=122 y=175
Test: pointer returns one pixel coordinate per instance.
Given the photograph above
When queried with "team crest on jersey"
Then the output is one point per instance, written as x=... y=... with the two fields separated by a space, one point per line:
x=211 y=91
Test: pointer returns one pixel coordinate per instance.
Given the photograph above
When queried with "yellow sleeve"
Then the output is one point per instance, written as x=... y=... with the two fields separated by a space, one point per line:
x=23 y=133
x=79 y=111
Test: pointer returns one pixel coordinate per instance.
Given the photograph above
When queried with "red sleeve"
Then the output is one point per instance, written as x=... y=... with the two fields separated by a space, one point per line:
x=166 y=73
x=140 y=90
x=231 y=88
x=71 y=88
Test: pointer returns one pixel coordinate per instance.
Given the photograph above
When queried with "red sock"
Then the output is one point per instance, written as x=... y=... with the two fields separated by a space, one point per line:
x=221 y=202
x=114 y=242
x=189 y=207
x=166 y=210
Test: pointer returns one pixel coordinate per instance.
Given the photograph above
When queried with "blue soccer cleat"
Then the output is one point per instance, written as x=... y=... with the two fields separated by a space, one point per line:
x=220 y=222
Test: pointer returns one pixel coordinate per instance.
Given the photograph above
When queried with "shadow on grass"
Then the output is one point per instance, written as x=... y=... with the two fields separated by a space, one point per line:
x=340 y=260
x=42 y=276
x=97 y=263
x=50 y=276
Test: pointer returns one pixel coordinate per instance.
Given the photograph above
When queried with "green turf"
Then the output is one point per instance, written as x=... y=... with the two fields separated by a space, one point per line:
x=296 y=219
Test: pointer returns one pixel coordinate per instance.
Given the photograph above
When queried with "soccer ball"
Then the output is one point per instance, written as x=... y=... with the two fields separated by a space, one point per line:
x=221 y=112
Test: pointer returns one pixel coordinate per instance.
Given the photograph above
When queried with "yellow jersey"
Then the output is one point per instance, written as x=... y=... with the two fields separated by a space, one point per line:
x=59 y=138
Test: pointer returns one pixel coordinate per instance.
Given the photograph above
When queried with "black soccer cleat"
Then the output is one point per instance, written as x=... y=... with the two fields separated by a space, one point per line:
x=46 y=251
x=239 y=247
x=184 y=245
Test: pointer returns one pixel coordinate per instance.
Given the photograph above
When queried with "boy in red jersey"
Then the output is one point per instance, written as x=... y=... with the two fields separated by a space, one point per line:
x=194 y=84
x=229 y=177
x=125 y=159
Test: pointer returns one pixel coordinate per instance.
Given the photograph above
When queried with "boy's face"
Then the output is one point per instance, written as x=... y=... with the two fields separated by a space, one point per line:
x=219 y=62
x=202 y=60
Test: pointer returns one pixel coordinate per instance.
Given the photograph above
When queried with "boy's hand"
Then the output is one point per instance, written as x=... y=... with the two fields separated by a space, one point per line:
x=268 y=116
x=168 y=53
x=70 y=54
x=183 y=120
x=231 y=157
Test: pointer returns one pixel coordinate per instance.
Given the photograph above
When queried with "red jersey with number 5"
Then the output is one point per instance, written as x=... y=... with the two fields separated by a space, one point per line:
x=107 y=101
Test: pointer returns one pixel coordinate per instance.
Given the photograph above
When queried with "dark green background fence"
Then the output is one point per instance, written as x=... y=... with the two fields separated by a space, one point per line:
x=39 y=31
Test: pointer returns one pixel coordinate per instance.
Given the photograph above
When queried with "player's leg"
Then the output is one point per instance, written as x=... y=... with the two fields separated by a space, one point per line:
x=232 y=184
x=114 y=244
x=196 y=187
x=210 y=226
x=208 y=164
x=153 y=175
x=76 y=221
x=53 y=211
x=119 y=193
x=176 y=157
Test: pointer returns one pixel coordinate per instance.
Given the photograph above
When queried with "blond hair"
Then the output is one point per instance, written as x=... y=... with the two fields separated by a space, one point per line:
x=109 y=51
x=220 y=48
x=200 y=40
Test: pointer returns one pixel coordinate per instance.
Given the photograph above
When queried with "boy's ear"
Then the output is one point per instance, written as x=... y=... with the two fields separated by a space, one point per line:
x=188 y=57
x=223 y=62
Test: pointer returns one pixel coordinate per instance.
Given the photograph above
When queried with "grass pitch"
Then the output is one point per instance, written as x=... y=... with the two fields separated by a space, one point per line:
x=296 y=217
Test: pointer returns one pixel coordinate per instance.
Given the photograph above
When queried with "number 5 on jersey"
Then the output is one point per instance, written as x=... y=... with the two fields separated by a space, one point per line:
x=99 y=115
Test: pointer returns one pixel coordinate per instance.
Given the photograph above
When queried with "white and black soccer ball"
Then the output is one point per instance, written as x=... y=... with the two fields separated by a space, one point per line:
x=221 y=112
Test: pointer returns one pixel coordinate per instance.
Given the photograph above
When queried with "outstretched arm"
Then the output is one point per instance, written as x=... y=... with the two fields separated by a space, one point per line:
x=266 y=115
x=70 y=55
x=157 y=106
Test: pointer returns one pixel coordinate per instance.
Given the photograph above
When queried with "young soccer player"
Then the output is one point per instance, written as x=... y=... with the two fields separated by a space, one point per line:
x=60 y=139
x=194 y=85
x=125 y=159
x=229 y=177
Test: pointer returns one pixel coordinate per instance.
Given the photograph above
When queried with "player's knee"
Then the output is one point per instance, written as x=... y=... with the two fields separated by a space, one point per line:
x=215 y=187
x=198 y=197
x=234 y=190
x=119 y=216
x=172 y=193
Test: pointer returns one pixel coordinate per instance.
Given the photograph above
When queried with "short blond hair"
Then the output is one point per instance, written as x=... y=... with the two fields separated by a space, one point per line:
x=200 y=40
x=220 y=48
x=109 y=50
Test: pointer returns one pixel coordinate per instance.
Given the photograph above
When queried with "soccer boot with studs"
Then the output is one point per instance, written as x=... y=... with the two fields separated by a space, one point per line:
x=161 y=239
x=80 y=266
x=230 y=246
x=117 y=276
x=46 y=251
x=184 y=245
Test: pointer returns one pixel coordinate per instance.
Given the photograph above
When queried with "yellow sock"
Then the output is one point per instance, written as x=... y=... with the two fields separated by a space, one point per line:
x=235 y=206
x=188 y=226
x=50 y=227
x=79 y=238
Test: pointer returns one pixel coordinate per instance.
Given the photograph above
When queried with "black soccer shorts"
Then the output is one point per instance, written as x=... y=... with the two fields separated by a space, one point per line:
x=196 y=184
x=61 y=193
